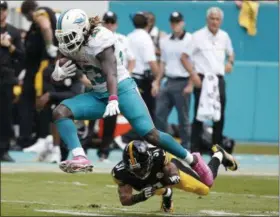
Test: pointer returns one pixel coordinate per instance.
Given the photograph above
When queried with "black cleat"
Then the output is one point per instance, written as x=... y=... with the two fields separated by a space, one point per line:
x=167 y=204
x=228 y=160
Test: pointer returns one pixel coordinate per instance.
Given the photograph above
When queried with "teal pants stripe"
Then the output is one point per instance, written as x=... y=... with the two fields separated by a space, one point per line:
x=91 y=106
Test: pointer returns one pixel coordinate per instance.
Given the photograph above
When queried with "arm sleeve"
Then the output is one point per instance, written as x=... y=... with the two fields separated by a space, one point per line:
x=191 y=46
x=161 y=157
x=116 y=178
x=129 y=53
x=149 y=51
x=163 y=56
x=101 y=39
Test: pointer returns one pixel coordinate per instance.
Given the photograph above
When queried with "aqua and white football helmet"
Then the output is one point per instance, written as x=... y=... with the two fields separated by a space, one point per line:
x=71 y=27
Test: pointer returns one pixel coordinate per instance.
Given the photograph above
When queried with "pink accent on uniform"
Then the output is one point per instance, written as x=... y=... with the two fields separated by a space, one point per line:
x=203 y=170
x=78 y=164
x=113 y=97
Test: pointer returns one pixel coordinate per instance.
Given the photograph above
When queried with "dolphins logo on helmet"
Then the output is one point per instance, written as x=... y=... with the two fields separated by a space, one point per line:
x=80 y=20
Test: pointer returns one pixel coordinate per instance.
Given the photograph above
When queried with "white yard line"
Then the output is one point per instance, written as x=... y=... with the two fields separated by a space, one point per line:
x=131 y=211
x=254 y=213
x=111 y=186
x=30 y=202
x=13 y=180
x=70 y=212
x=7 y=169
x=67 y=183
x=217 y=213
x=48 y=182
x=246 y=195
x=223 y=213
x=34 y=169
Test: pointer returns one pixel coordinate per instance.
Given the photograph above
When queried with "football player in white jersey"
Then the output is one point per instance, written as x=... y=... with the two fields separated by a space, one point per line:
x=96 y=51
x=110 y=21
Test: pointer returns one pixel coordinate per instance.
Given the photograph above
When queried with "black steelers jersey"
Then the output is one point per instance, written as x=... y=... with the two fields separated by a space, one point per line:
x=122 y=176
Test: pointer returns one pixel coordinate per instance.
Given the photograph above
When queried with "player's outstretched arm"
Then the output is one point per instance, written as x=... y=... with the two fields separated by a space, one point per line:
x=108 y=63
x=129 y=199
x=42 y=20
x=109 y=67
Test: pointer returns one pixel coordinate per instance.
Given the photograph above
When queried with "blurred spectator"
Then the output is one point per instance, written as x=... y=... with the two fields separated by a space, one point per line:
x=11 y=54
x=40 y=45
x=177 y=89
x=154 y=32
x=208 y=50
x=110 y=21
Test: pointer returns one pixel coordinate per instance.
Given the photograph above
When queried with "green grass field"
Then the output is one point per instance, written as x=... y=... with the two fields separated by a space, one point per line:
x=257 y=149
x=49 y=194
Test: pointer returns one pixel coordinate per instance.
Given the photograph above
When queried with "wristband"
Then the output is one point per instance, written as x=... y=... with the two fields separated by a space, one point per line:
x=231 y=62
x=113 y=97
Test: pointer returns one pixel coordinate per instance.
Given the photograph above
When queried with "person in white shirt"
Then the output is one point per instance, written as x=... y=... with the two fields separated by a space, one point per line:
x=146 y=66
x=110 y=21
x=208 y=50
x=175 y=92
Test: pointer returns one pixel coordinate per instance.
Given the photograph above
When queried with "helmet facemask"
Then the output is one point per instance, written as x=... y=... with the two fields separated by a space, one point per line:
x=71 y=40
x=141 y=169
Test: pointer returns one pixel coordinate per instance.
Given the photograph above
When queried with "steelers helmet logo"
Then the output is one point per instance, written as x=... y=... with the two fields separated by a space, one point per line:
x=159 y=175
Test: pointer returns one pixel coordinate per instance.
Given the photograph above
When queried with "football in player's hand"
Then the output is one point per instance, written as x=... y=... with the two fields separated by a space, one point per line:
x=62 y=61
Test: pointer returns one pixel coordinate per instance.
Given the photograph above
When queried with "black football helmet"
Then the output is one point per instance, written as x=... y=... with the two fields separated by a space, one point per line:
x=138 y=159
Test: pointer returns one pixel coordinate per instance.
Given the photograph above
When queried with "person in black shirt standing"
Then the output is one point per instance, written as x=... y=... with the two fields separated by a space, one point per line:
x=41 y=50
x=11 y=54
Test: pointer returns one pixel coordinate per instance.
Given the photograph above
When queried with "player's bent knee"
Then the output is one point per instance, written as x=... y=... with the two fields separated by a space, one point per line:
x=61 y=111
x=202 y=190
x=152 y=137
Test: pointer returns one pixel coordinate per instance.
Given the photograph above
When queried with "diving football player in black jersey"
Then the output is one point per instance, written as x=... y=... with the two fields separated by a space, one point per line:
x=154 y=171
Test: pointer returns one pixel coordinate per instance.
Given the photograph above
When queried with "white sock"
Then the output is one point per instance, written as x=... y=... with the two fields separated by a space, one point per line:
x=218 y=155
x=168 y=193
x=78 y=152
x=189 y=157
x=56 y=148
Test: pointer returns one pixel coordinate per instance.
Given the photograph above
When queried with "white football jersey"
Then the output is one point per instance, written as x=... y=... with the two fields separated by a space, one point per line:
x=85 y=58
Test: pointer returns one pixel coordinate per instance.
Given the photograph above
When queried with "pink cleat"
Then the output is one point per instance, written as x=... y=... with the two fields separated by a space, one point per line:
x=202 y=169
x=78 y=164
